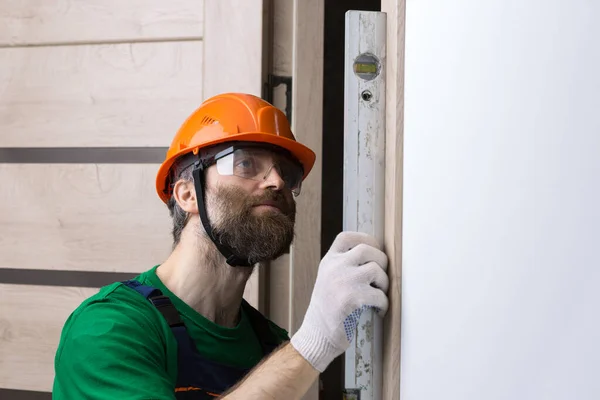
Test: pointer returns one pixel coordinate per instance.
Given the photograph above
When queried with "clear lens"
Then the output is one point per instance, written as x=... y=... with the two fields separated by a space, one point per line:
x=258 y=163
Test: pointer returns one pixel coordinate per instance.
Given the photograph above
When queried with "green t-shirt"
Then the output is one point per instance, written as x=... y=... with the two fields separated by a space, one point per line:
x=116 y=345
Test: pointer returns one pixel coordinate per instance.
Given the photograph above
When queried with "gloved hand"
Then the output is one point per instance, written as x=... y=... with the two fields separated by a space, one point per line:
x=351 y=278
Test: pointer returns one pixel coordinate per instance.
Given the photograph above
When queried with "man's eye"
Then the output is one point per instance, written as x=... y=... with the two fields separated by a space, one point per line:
x=245 y=164
x=246 y=168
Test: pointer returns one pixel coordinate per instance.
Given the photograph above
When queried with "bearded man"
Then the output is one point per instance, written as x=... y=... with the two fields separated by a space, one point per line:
x=182 y=329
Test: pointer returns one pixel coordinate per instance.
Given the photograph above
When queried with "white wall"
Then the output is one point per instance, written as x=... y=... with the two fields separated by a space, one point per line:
x=501 y=277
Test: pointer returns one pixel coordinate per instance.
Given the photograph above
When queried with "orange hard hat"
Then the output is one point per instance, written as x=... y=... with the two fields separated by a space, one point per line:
x=232 y=117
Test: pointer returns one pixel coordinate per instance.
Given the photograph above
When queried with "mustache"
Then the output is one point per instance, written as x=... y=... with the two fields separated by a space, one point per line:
x=276 y=199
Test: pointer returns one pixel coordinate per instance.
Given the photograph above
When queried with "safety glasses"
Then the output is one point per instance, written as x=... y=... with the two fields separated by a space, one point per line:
x=258 y=163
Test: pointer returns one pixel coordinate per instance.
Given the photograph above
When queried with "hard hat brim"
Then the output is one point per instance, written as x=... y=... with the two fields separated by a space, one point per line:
x=303 y=154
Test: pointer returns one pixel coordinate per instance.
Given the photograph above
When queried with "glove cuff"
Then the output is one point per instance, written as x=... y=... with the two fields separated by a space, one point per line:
x=314 y=347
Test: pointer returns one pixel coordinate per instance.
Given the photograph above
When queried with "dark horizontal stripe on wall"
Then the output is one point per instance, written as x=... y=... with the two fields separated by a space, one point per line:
x=46 y=277
x=11 y=394
x=82 y=155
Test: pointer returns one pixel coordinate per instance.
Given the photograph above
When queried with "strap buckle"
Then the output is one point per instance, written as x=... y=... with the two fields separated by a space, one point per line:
x=164 y=305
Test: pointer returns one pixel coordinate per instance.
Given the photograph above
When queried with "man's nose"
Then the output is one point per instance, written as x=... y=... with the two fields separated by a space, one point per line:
x=272 y=179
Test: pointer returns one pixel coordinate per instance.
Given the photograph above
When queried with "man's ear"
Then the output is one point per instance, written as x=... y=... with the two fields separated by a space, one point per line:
x=184 y=194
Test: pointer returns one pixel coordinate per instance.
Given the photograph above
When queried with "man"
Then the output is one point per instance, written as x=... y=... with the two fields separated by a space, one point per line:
x=182 y=330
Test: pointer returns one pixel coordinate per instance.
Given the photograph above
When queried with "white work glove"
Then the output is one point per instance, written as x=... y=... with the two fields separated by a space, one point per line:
x=351 y=278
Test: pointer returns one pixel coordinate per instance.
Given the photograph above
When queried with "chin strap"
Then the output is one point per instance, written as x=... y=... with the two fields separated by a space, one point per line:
x=199 y=184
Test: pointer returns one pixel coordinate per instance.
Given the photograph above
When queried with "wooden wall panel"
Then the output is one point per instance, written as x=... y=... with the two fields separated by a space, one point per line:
x=256 y=287
x=36 y=22
x=283 y=36
x=279 y=301
x=307 y=126
x=394 y=137
x=82 y=217
x=307 y=121
x=98 y=95
x=233 y=50
x=31 y=320
x=99 y=73
x=282 y=45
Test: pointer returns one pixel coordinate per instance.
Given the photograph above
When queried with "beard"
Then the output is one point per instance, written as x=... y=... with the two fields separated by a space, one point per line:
x=256 y=237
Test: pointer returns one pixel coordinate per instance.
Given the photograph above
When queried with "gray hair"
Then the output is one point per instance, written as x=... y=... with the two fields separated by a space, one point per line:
x=182 y=169
x=179 y=216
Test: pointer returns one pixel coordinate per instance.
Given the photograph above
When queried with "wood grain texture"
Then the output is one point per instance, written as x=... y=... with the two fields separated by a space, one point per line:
x=283 y=36
x=44 y=22
x=278 y=291
x=395 y=10
x=82 y=217
x=255 y=291
x=233 y=50
x=281 y=46
x=31 y=320
x=282 y=41
x=307 y=124
x=98 y=95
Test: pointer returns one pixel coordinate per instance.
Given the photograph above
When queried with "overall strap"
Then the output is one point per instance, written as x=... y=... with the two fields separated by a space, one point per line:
x=268 y=340
x=161 y=302
x=195 y=371
x=146 y=291
x=185 y=344
x=260 y=325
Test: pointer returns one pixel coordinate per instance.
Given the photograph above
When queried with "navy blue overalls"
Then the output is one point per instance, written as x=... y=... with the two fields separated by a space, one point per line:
x=197 y=377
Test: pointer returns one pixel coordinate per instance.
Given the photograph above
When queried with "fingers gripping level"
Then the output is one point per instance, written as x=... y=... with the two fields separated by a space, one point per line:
x=351 y=278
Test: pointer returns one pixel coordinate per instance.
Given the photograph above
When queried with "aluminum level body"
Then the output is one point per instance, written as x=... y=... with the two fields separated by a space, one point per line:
x=364 y=173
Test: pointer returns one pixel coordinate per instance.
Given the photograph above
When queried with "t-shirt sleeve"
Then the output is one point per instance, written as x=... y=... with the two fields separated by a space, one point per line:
x=110 y=350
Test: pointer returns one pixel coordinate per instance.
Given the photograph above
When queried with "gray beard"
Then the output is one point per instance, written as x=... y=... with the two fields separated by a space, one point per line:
x=257 y=238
